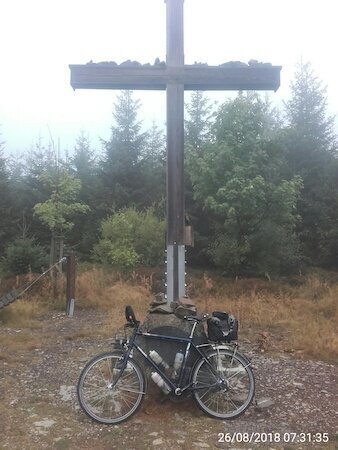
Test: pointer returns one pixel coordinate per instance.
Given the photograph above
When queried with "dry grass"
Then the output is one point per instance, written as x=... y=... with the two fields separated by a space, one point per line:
x=300 y=314
x=19 y=342
x=28 y=309
x=99 y=289
x=303 y=317
x=23 y=313
x=21 y=318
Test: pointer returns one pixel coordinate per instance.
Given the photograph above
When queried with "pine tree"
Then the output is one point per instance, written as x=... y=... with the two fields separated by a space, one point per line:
x=155 y=146
x=307 y=113
x=84 y=166
x=312 y=146
x=120 y=167
x=153 y=168
x=29 y=188
x=83 y=159
x=197 y=126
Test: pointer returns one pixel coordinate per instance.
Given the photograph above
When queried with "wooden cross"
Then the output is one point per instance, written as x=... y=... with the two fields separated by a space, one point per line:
x=175 y=77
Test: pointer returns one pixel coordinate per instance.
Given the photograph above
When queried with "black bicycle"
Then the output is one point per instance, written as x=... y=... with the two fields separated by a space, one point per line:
x=112 y=385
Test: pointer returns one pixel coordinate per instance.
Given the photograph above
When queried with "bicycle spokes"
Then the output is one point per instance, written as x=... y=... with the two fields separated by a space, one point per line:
x=108 y=392
x=224 y=386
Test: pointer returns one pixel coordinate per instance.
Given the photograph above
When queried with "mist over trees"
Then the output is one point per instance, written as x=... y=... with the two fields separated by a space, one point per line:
x=261 y=188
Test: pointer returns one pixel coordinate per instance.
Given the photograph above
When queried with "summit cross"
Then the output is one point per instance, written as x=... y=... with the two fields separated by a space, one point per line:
x=175 y=77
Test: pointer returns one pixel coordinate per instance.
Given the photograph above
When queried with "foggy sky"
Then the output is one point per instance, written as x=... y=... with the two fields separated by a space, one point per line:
x=40 y=38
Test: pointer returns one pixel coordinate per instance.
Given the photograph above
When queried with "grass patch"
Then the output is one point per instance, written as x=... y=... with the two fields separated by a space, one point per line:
x=24 y=313
x=305 y=315
x=19 y=342
x=300 y=313
x=105 y=290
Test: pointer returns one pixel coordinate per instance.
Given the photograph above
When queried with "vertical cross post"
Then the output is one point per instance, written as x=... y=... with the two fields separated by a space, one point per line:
x=175 y=155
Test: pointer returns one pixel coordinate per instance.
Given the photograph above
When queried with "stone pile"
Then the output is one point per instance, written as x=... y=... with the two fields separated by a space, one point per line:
x=160 y=64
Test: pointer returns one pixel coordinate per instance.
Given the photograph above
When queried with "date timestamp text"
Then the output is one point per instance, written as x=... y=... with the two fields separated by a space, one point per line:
x=273 y=437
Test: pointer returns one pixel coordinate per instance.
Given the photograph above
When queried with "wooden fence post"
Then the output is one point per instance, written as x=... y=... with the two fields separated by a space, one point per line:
x=70 y=284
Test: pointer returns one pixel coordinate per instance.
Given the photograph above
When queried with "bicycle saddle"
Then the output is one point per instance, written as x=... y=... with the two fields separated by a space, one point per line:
x=130 y=316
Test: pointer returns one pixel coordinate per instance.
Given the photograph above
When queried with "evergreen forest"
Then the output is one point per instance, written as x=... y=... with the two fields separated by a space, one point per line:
x=261 y=189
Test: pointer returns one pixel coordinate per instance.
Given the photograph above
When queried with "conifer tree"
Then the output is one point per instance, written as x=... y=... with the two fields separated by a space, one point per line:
x=83 y=159
x=153 y=167
x=307 y=114
x=121 y=164
x=312 y=150
x=197 y=125
x=85 y=168
x=29 y=188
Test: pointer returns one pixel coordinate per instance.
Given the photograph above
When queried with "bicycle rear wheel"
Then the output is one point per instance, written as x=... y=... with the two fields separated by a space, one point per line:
x=230 y=398
x=103 y=401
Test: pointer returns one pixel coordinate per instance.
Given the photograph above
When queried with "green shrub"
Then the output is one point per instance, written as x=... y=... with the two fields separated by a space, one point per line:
x=130 y=238
x=22 y=255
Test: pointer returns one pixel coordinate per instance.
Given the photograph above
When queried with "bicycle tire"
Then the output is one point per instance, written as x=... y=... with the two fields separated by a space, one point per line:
x=227 y=401
x=99 y=400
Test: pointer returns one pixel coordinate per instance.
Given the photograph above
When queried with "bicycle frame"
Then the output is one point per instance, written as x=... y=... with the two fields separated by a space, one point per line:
x=112 y=385
x=188 y=341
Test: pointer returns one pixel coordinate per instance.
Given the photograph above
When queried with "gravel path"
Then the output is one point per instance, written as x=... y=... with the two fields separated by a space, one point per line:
x=39 y=409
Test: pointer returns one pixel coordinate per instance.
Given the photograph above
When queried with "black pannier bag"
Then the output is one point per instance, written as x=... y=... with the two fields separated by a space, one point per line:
x=222 y=327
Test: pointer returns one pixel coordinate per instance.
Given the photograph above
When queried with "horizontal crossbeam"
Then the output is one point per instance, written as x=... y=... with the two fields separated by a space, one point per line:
x=97 y=76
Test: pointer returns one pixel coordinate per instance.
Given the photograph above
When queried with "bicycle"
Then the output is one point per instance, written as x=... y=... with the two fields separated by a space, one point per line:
x=112 y=385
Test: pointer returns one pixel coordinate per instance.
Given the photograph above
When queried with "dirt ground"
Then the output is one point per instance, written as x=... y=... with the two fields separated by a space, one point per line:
x=39 y=369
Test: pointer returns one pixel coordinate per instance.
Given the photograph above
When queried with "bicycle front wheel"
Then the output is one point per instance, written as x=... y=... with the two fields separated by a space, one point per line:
x=104 y=400
x=225 y=387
